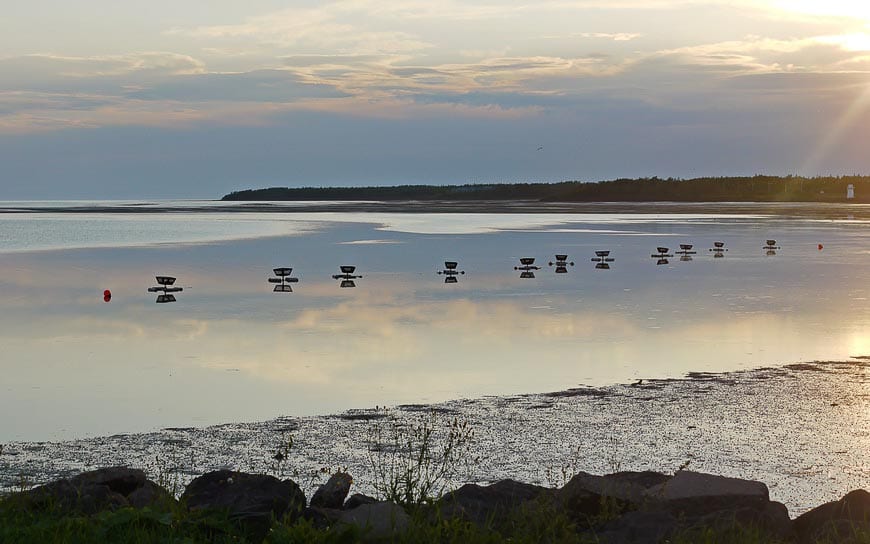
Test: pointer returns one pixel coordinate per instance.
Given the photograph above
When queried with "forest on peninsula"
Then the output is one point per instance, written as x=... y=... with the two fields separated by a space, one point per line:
x=758 y=188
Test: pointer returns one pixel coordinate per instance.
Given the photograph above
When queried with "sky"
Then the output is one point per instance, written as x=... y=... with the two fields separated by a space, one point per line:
x=194 y=99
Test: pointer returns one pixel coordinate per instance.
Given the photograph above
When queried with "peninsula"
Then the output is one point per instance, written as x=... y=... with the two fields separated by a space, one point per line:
x=709 y=189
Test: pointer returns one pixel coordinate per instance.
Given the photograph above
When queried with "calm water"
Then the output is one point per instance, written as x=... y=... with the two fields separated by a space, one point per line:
x=232 y=350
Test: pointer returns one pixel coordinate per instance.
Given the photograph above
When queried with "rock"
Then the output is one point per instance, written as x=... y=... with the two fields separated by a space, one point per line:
x=358 y=499
x=492 y=504
x=252 y=500
x=772 y=519
x=638 y=527
x=625 y=486
x=695 y=493
x=378 y=521
x=95 y=491
x=333 y=492
x=121 y=480
x=149 y=494
x=662 y=505
x=321 y=518
x=836 y=520
x=586 y=494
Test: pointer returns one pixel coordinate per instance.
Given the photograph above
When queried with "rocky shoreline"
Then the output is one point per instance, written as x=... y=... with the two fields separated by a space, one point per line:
x=622 y=507
x=744 y=424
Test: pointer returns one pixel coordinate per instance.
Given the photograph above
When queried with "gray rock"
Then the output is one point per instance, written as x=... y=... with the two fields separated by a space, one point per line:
x=772 y=519
x=252 y=500
x=333 y=492
x=322 y=518
x=638 y=527
x=586 y=494
x=149 y=494
x=836 y=520
x=358 y=499
x=95 y=491
x=695 y=493
x=625 y=486
x=489 y=505
x=378 y=521
x=121 y=480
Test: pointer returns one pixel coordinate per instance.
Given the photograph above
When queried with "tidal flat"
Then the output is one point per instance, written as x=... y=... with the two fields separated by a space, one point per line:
x=744 y=424
x=722 y=346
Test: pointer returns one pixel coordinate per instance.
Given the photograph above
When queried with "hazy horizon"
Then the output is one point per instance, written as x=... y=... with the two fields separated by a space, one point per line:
x=101 y=100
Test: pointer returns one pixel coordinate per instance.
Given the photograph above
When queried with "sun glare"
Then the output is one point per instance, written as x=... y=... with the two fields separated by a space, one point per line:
x=855 y=9
x=849 y=42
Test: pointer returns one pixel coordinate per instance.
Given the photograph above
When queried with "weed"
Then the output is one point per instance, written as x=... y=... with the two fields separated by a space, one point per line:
x=561 y=476
x=412 y=463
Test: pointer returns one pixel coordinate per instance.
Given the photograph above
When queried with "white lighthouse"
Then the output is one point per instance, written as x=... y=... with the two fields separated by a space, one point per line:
x=850 y=192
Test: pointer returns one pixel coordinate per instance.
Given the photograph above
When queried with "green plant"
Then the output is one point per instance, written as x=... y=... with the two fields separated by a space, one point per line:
x=282 y=453
x=614 y=463
x=558 y=477
x=167 y=474
x=413 y=462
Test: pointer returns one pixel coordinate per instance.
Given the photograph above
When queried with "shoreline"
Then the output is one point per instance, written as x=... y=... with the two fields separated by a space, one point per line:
x=725 y=423
x=786 y=209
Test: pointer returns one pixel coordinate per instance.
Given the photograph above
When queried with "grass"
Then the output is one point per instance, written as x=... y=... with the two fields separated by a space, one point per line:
x=412 y=463
x=172 y=523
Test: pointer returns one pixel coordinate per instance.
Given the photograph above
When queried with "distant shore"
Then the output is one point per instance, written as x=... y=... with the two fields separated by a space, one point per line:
x=830 y=189
x=813 y=210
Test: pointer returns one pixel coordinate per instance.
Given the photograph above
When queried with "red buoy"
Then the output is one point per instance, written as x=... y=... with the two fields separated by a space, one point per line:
x=107 y=295
x=821 y=247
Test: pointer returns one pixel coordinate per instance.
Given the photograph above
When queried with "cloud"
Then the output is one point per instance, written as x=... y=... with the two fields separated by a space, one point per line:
x=40 y=67
x=319 y=29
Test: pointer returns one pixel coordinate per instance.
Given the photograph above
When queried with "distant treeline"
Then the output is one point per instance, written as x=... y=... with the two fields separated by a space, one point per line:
x=721 y=189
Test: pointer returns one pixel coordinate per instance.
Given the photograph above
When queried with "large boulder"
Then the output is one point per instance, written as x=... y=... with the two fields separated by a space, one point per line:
x=637 y=527
x=695 y=493
x=333 y=492
x=376 y=521
x=251 y=500
x=837 y=520
x=95 y=491
x=492 y=504
x=587 y=495
x=358 y=499
x=646 y=507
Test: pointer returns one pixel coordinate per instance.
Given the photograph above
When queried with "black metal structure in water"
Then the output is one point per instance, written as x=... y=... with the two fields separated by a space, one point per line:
x=686 y=249
x=347 y=276
x=602 y=257
x=165 y=287
x=561 y=263
x=718 y=249
x=527 y=267
x=283 y=280
x=771 y=247
x=450 y=272
x=662 y=253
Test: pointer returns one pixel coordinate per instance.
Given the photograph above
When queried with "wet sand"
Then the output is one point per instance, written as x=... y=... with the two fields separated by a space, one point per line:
x=785 y=209
x=803 y=429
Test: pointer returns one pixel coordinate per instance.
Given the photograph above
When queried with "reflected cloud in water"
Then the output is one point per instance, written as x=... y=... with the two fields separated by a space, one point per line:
x=231 y=350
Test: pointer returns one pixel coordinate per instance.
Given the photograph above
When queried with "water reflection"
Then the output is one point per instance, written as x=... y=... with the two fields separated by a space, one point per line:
x=561 y=263
x=85 y=367
x=451 y=272
x=283 y=280
x=718 y=249
x=686 y=250
x=527 y=267
x=165 y=287
x=347 y=276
